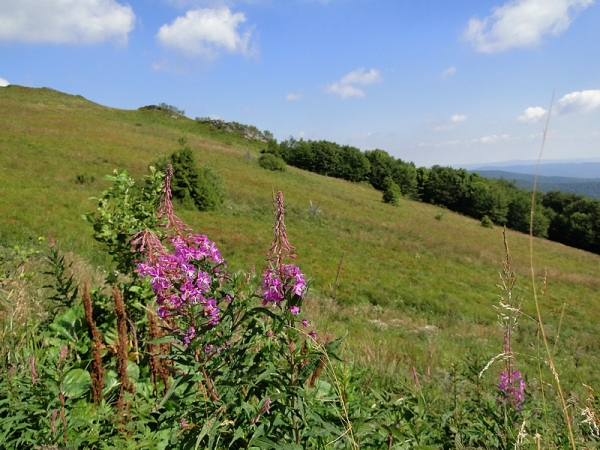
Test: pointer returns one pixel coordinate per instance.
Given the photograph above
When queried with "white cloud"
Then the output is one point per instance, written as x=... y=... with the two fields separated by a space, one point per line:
x=205 y=32
x=65 y=21
x=458 y=118
x=532 y=114
x=345 y=87
x=3 y=82
x=448 y=72
x=451 y=123
x=522 y=23
x=576 y=102
x=292 y=97
x=491 y=138
x=580 y=102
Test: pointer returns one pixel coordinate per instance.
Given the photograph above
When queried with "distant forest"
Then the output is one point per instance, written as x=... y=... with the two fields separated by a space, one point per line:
x=571 y=219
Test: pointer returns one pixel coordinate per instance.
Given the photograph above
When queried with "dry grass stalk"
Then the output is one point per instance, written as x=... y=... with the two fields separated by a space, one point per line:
x=97 y=369
x=126 y=384
x=589 y=413
x=315 y=375
x=157 y=370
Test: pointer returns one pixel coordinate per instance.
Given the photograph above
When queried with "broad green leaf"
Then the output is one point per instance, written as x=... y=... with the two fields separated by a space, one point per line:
x=76 y=382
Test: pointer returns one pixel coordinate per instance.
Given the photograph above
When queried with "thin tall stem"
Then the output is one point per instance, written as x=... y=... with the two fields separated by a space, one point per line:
x=549 y=353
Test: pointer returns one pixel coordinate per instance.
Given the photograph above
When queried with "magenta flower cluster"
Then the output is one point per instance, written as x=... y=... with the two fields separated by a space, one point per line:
x=183 y=276
x=277 y=283
x=185 y=271
x=512 y=388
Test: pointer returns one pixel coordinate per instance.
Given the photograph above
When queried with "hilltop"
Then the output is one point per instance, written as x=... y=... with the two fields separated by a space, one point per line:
x=415 y=283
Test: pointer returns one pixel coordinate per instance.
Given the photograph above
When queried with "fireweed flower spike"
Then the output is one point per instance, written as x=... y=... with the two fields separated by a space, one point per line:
x=280 y=279
x=184 y=271
x=511 y=384
x=512 y=388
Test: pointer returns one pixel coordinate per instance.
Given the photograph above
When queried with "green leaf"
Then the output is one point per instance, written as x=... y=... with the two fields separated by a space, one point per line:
x=76 y=382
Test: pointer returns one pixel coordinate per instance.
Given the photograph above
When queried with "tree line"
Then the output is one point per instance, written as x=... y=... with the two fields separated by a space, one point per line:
x=571 y=219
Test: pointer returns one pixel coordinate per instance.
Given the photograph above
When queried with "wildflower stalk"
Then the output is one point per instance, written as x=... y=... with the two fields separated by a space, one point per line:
x=126 y=384
x=97 y=370
x=511 y=384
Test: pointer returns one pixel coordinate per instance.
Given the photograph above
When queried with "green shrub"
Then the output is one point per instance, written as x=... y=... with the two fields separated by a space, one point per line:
x=193 y=188
x=486 y=222
x=391 y=191
x=271 y=162
x=211 y=189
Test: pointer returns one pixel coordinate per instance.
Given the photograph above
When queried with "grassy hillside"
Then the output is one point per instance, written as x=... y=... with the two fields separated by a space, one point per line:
x=416 y=286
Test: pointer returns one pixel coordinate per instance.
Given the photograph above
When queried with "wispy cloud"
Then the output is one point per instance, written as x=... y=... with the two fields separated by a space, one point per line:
x=206 y=33
x=490 y=138
x=580 y=102
x=451 y=123
x=65 y=21
x=293 y=96
x=448 y=72
x=3 y=82
x=522 y=23
x=361 y=136
x=346 y=86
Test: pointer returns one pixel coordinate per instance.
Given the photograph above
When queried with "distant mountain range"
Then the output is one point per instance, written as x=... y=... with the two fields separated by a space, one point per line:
x=574 y=176
x=589 y=170
x=584 y=186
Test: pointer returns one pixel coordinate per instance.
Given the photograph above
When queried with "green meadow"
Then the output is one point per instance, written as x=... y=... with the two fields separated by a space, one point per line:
x=413 y=285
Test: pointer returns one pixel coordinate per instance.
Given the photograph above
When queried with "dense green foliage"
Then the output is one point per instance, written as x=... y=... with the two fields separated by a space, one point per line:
x=467 y=193
x=194 y=188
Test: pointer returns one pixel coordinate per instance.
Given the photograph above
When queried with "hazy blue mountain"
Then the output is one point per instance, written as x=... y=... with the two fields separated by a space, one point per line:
x=587 y=169
x=585 y=186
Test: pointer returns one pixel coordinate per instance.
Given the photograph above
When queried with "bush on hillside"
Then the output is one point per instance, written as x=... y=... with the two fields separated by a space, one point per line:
x=270 y=161
x=193 y=188
x=486 y=222
x=172 y=109
x=391 y=191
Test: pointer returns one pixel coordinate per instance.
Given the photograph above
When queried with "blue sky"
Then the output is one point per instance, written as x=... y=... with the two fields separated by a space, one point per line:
x=430 y=81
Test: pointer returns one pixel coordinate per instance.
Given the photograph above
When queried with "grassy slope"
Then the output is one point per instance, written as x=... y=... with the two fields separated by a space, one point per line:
x=402 y=269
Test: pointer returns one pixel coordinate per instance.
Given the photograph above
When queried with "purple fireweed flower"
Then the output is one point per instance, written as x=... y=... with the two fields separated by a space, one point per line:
x=313 y=334
x=295 y=310
x=182 y=271
x=512 y=388
x=276 y=283
x=281 y=279
x=305 y=323
x=189 y=335
x=208 y=348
